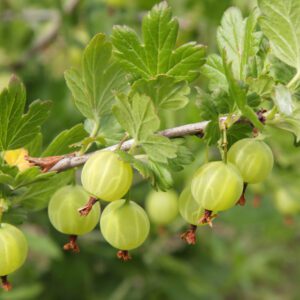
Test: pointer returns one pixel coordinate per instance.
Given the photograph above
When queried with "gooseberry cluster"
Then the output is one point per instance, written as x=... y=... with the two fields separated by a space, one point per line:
x=75 y=210
x=219 y=185
x=215 y=187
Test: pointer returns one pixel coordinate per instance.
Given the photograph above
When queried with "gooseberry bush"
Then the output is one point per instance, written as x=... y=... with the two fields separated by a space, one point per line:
x=125 y=88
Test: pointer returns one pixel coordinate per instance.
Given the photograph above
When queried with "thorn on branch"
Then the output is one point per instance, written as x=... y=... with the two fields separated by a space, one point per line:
x=5 y=283
x=72 y=244
x=85 y=210
x=190 y=235
x=46 y=163
x=124 y=255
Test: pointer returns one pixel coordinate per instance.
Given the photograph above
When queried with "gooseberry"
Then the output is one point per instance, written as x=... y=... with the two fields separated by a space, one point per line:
x=217 y=186
x=162 y=207
x=253 y=158
x=63 y=213
x=13 y=251
x=124 y=225
x=106 y=176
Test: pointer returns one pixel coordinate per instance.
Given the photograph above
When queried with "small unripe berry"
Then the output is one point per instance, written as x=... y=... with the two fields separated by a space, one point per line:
x=162 y=207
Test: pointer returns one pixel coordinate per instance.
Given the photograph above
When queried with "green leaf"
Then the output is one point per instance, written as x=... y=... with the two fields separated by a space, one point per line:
x=93 y=90
x=156 y=55
x=15 y=215
x=280 y=23
x=30 y=176
x=184 y=156
x=262 y=86
x=288 y=123
x=6 y=178
x=214 y=104
x=249 y=113
x=212 y=132
x=237 y=132
x=109 y=129
x=238 y=38
x=35 y=146
x=137 y=116
x=162 y=177
x=37 y=196
x=160 y=33
x=214 y=71
x=164 y=91
x=62 y=144
x=159 y=148
x=186 y=61
x=283 y=100
x=158 y=174
x=238 y=94
x=18 y=129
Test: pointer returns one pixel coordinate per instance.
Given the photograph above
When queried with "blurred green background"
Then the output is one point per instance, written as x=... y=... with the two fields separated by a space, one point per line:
x=253 y=252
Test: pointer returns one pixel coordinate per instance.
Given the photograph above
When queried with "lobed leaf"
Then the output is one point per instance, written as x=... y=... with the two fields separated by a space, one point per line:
x=237 y=37
x=93 y=89
x=157 y=55
x=165 y=92
x=18 y=129
x=281 y=24
x=137 y=116
x=62 y=143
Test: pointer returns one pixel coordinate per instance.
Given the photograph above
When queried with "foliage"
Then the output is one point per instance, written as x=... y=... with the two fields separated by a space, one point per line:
x=131 y=81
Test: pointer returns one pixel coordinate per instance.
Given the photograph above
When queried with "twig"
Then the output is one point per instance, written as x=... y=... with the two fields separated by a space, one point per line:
x=176 y=132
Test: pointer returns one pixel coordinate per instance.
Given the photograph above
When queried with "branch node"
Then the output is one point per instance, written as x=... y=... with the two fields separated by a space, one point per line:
x=46 y=163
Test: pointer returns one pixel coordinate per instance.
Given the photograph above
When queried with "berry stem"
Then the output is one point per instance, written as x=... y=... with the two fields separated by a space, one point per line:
x=190 y=235
x=5 y=283
x=72 y=244
x=122 y=141
x=124 y=255
x=242 y=200
x=85 y=210
x=224 y=141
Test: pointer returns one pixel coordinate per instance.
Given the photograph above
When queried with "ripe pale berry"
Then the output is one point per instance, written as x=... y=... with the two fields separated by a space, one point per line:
x=63 y=211
x=217 y=186
x=253 y=158
x=124 y=224
x=190 y=210
x=106 y=176
x=13 y=249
